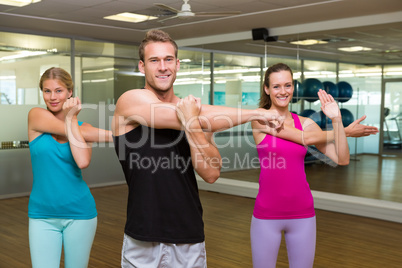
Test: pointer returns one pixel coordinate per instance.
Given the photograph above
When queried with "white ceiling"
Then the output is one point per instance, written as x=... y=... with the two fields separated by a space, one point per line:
x=370 y=23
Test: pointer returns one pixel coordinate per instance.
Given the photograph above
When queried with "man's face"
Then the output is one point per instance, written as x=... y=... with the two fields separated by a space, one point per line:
x=160 y=66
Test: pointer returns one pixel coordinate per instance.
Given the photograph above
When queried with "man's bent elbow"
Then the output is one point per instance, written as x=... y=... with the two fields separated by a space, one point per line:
x=344 y=162
x=211 y=177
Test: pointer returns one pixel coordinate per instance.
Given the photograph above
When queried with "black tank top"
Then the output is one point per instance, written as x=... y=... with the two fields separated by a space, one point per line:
x=163 y=200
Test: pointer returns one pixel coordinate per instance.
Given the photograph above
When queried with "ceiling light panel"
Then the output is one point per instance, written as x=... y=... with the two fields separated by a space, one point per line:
x=130 y=17
x=18 y=3
x=354 y=49
x=308 y=42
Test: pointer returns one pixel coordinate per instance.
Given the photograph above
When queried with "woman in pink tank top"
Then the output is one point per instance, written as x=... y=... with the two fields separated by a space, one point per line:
x=284 y=203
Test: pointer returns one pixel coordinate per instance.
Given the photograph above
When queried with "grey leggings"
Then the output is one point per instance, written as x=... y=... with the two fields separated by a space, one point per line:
x=300 y=237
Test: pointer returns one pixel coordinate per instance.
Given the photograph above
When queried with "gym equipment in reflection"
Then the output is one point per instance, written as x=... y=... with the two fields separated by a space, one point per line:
x=308 y=89
x=311 y=87
x=298 y=92
x=307 y=112
x=14 y=145
x=324 y=122
x=389 y=139
x=347 y=117
x=315 y=116
x=345 y=91
x=331 y=88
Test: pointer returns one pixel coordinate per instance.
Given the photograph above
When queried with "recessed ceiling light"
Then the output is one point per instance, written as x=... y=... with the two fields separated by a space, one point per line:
x=392 y=51
x=130 y=17
x=354 y=49
x=18 y=3
x=309 y=42
x=23 y=54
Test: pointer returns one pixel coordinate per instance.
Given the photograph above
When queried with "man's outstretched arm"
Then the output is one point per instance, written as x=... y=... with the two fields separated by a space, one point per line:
x=142 y=107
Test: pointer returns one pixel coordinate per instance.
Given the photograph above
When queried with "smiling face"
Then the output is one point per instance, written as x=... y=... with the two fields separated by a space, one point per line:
x=55 y=93
x=160 y=66
x=280 y=89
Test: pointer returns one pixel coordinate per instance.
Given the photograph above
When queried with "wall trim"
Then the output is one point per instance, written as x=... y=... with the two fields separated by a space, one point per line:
x=359 y=206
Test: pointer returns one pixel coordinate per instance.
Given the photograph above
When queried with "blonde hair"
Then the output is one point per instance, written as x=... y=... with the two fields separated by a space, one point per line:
x=58 y=74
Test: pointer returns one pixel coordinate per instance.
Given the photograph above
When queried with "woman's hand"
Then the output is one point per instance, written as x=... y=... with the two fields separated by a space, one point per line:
x=328 y=105
x=72 y=107
x=356 y=129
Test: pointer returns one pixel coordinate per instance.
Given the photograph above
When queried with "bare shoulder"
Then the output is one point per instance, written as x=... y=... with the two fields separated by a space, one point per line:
x=37 y=110
x=302 y=119
x=308 y=124
x=134 y=102
x=136 y=96
x=37 y=113
x=37 y=116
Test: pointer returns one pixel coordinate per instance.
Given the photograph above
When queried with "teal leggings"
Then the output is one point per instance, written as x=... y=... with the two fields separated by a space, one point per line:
x=48 y=236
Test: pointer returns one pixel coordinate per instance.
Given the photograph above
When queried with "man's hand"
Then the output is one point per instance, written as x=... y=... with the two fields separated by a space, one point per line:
x=187 y=110
x=272 y=120
x=356 y=130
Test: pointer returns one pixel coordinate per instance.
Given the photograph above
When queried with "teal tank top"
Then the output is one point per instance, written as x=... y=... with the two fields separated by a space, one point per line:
x=58 y=190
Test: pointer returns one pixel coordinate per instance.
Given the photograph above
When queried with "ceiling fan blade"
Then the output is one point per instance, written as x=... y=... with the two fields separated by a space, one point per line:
x=168 y=18
x=205 y=14
x=163 y=6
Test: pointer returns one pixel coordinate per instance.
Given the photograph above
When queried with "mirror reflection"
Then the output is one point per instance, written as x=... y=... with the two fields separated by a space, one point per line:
x=392 y=135
x=103 y=71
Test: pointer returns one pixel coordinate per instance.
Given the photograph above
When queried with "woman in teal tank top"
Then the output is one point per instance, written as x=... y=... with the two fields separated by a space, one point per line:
x=61 y=210
x=284 y=202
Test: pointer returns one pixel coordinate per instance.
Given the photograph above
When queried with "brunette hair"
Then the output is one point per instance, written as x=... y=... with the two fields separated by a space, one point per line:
x=265 y=100
x=156 y=35
x=58 y=74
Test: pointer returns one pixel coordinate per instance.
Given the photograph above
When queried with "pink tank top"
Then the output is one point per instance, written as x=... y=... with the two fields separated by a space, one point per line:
x=283 y=189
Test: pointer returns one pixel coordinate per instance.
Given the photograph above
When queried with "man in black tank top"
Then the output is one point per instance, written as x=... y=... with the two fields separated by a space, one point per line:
x=160 y=140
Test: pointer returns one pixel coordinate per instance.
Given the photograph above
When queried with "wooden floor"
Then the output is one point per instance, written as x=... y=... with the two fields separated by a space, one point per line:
x=343 y=241
x=368 y=176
